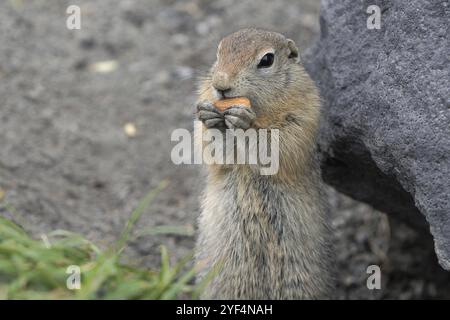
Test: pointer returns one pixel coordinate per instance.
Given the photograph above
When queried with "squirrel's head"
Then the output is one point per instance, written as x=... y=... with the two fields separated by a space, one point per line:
x=256 y=64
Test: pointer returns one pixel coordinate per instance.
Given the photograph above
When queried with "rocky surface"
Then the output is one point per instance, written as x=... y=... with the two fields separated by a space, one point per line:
x=86 y=118
x=386 y=128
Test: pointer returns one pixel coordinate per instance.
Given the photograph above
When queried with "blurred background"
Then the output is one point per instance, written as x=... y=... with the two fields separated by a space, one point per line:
x=86 y=117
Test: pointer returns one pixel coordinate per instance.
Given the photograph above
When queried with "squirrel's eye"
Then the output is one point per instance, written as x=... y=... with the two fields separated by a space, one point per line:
x=266 y=61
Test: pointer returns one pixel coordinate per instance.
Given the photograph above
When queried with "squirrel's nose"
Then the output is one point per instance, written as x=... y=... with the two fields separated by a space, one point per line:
x=223 y=92
x=221 y=82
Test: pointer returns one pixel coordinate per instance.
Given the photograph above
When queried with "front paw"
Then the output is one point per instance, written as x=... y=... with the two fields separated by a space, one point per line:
x=239 y=117
x=209 y=115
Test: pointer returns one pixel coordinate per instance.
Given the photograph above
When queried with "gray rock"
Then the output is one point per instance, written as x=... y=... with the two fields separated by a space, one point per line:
x=385 y=134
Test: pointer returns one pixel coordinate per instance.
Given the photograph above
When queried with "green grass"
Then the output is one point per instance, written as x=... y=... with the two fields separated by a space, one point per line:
x=36 y=269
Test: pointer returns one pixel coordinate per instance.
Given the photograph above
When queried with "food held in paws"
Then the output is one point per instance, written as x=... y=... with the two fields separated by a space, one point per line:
x=224 y=104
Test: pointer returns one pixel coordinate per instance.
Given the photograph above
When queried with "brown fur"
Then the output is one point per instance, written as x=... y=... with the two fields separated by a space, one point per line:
x=270 y=234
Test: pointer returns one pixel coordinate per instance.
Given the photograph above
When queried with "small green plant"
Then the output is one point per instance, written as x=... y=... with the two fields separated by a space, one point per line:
x=36 y=269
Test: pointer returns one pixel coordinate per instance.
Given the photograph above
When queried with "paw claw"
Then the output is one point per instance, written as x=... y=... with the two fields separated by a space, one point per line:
x=214 y=123
x=239 y=117
x=207 y=106
x=237 y=122
x=229 y=124
x=209 y=115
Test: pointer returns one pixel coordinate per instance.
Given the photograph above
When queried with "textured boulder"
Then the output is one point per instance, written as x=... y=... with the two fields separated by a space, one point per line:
x=385 y=133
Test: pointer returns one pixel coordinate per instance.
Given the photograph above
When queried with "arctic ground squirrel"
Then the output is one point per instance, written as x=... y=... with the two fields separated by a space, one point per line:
x=268 y=236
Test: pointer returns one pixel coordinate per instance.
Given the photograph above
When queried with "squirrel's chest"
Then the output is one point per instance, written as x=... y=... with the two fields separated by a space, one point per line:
x=247 y=207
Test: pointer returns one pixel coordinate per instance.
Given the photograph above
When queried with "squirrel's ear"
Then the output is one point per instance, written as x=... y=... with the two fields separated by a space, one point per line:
x=293 y=50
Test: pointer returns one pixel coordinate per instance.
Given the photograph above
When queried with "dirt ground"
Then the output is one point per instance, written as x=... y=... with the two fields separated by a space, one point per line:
x=67 y=162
